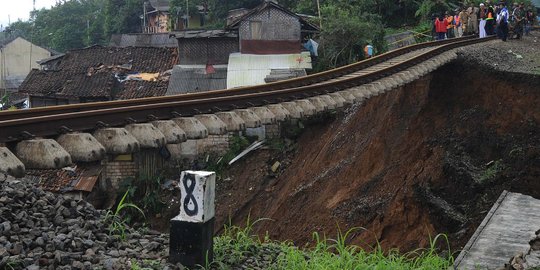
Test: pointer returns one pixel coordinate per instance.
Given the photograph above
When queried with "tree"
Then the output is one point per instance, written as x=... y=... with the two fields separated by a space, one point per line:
x=346 y=30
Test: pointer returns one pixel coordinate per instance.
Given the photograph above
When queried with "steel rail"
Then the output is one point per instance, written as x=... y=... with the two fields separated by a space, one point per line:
x=291 y=83
x=50 y=125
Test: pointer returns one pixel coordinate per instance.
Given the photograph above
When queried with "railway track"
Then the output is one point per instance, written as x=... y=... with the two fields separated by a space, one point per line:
x=51 y=121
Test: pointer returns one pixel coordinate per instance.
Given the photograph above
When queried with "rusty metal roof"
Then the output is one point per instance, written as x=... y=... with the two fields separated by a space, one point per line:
x=78 y=178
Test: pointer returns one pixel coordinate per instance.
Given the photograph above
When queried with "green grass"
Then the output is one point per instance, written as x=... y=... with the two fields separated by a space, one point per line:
x=237 y=244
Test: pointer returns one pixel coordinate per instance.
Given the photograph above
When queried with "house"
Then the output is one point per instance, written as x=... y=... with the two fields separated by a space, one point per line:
x=271 y=29
x=203 y=57
x=158 y=19
x=18 y=57
x=99 y=73
x=270 y=45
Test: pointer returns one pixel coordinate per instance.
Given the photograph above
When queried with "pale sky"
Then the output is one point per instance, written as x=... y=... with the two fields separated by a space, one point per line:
x=20 y=9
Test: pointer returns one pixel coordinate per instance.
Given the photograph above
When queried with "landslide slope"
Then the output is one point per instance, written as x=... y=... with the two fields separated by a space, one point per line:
x=428 y=158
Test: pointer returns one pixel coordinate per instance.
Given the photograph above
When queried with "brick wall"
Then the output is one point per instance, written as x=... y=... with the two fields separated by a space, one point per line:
x=273 y=131
x=214 y=144
x=115 y=171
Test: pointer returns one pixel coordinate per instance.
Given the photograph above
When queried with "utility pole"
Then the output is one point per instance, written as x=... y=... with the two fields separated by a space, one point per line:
x=319 y=10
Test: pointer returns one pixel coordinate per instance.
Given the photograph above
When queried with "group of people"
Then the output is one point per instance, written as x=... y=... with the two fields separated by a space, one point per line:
x=485 y=20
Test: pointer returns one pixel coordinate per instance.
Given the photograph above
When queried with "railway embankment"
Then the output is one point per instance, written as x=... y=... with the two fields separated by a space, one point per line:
x=431 y=157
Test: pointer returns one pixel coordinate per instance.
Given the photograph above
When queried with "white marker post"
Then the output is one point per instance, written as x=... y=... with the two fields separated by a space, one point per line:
x=192 y=231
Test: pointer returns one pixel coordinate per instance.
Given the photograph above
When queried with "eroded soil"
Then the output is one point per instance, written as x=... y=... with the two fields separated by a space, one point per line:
x=429 y=158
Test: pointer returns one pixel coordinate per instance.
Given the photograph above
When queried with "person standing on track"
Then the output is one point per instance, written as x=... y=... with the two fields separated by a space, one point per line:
x=502 y=21
x=450 y=25
x=518 y=18
x=490 y=21
x=482 y=15
x=441 y=25
x=464 y=18
x=529 y=21
x=458 y=30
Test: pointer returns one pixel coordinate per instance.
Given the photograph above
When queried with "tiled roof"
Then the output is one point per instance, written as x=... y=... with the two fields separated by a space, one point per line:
x=97 y=71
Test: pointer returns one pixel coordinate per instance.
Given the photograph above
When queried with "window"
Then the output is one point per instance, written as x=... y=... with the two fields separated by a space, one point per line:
x=256 y=29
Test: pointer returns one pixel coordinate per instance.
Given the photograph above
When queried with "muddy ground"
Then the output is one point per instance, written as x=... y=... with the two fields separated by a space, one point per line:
x=429 y=158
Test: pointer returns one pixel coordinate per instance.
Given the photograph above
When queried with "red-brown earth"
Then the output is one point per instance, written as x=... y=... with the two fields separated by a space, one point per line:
x=424 y=159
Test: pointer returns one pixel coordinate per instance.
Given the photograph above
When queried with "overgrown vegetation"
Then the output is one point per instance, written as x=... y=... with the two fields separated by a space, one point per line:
x=146 y=190
x=236 y=244
x=491 y=171
x=117 y=220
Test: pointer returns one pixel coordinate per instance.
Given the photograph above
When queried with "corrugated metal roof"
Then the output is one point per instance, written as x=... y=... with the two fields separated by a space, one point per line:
x=251 y=69
x=205 y=34
x=194 y=78
x=505 y=231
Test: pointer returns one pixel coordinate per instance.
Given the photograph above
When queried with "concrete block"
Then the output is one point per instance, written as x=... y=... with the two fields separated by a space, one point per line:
x=379 y=87
x=329 y=101
x=259 y=132
x=147 y=135
x=320 y=105
x=360 y=93
x=172 y=132
x=415 y=72
x=306 y=106
x=348 y=97
x=189 y=149
x=279 y=111
x=82 y=147
x=175 y=149
x=295 y=111
x=197 y=195
x=194 y=128
x=406 y=76
x=232 y=121
x=42 y=154
x=266 y=116
x=399 y=79
x=117 y=141
x=213 y=124
x=392 y=82
x=338 y=98
x=249 y=117
x=10 y=164
x=386 y=83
